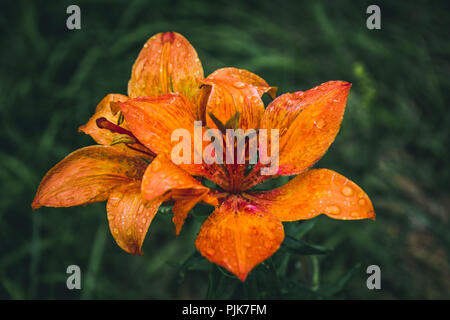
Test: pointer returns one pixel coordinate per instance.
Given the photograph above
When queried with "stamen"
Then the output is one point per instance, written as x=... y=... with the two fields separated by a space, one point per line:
x=149 y=153
x=104 y=123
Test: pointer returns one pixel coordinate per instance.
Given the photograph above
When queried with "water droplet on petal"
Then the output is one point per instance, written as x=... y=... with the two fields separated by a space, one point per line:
x=347 y=191
x=333 y=210
x=319 y=123
x=362 y=202
x=239 y=84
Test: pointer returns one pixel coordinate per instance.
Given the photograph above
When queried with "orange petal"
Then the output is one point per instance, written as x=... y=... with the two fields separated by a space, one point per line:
x=308 y=123
x=153 y=119
x=236 y=90
x=87 y=175
x=163 y=179
x=167 y=63
x=238 y=236
x=129 y=217
x=314 y=192
x=107 y=108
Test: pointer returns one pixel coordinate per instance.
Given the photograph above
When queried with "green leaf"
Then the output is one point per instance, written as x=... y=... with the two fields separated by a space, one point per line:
x=194 y=262
x=332 y=289
x=302 y=228
x=222 y=285
x=293 y=245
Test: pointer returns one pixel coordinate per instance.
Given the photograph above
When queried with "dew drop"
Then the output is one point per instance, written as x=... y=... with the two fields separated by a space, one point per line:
x=332 y=210
x=239 y=84
x=362 y=202
x=354 y=214
x=210 y=251
x=347 y=191
x=319 y=123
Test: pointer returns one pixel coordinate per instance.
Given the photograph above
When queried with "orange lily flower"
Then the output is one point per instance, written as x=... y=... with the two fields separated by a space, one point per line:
x=167 y=92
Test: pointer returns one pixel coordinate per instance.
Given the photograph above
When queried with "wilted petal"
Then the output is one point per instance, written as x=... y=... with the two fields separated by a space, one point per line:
x=239 y=236
x=308 y=123
x=315 y=192
x=235 y=90
x=164 y=180
x=87 y=175
x=129 y=217
x=167 y=63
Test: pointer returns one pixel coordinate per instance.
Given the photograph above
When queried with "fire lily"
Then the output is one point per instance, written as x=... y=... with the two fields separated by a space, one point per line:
x=167 y=92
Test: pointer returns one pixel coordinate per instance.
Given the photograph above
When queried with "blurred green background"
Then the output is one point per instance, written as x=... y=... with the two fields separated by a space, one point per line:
x=394 y=142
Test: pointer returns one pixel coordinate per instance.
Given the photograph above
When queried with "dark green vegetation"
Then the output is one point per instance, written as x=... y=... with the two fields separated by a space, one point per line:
x=394 y=143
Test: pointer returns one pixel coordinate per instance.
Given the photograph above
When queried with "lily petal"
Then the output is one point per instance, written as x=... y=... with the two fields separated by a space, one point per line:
x=153 y=119
x=107 y=108
x=308 y=123
x=315 y=192
x=129 y=218
x=238 y=236
x=235 y=90
x=167 y=63
x=164 y=180
x=87 y=175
